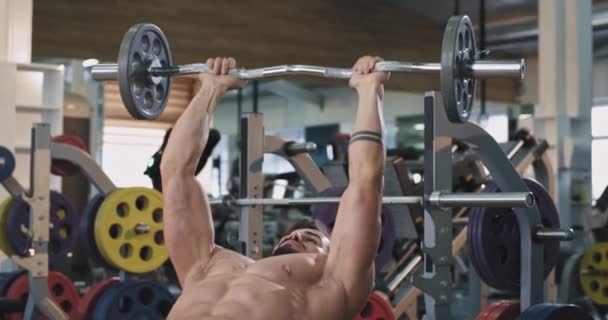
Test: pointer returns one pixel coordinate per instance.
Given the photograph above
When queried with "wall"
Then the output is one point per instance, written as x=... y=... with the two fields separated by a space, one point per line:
x=530 y=86
x=339 y=107
x=256 y=33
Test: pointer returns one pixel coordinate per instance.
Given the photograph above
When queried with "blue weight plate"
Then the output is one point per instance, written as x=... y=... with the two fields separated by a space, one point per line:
x=87 y=233
x=6 y=279
x=547 y=311
x=134 y=299
x=7 y=163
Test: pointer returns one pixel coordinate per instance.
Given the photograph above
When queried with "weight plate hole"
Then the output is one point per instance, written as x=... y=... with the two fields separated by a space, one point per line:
x=141 y=203
x=137 y=88
x=146 y=296
x=145 y=43
x=594 y=285
x=159 y=93
x=159 y=238
x=55 y=246
x=136 y=61
x=115 y=231
x=126 y=250
x=459 y=91
x=66 y=306
x=460 y=42
x=57 y=290
x=125 y=304
x=122 y=209
x=163 y=308
x=470 y=86
x=367 y=310
x=145 y=253
x=163 y=63
x=148 y=99
x=464 y=103
x=467 y=38
x=64 y=232
x=156 y=47
x=60 y=214
x=157 y=215
x=503 y=254
x=597 y=257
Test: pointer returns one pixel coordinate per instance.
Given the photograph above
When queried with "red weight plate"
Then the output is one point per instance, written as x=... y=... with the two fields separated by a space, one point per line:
x=377 y=308
x=64 y=168
x=89 y=300
x=501 y=310
x=61 y=289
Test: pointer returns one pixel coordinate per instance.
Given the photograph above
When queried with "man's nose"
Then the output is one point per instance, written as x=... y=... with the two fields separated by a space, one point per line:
x=296 y=236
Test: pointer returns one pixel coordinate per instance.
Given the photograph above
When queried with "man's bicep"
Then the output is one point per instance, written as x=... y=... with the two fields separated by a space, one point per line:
x=188 y=225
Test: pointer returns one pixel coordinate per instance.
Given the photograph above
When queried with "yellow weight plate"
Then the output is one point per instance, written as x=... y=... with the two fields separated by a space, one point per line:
x=4 y=208
x=129 y=230
x=593 y=273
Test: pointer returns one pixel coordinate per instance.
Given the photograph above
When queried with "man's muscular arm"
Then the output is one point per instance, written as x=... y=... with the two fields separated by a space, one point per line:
x=356 y=234
x=188 y=224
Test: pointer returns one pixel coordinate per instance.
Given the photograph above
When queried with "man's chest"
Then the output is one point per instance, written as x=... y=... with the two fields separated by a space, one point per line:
x=299 y=268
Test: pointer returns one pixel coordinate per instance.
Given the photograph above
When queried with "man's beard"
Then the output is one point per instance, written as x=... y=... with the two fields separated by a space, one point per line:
x=284 y=250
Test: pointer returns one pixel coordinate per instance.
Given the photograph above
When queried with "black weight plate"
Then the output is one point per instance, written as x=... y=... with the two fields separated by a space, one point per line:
x=143 y=45
x=457 y=51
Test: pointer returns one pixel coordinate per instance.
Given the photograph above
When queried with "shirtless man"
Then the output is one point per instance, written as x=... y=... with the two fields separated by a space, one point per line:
x=314 y=282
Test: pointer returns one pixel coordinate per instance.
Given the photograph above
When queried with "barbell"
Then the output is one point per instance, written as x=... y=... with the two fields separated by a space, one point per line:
x=444 y=200
x=144 y=69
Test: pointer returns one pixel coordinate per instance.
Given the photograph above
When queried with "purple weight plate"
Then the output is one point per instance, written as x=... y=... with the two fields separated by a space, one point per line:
x=63 y=232
x=494 y=239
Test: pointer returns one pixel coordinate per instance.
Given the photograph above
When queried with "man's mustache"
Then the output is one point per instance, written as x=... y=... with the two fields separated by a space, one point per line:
x=284 y=250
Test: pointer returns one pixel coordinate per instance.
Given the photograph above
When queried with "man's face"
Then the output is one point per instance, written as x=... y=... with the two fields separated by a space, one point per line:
x=302 y=241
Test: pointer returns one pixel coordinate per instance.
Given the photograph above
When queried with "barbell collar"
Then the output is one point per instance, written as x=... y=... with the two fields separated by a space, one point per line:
x=479 y=69
x=554 y=233
x=483 y=69
x=489 y=200
x=105 y=71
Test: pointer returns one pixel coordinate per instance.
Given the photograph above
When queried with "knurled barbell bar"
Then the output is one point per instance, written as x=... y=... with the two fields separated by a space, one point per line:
x=144 y=69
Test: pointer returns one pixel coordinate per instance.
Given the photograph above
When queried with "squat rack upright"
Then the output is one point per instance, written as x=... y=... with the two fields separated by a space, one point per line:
x=439 y=132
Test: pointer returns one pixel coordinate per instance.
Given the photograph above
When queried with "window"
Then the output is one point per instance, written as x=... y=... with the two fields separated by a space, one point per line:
x=599 y=150
x=126 y=152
